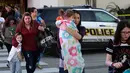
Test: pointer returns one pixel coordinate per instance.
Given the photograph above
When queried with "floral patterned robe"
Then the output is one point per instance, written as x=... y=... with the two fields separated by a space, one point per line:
x=71 y=48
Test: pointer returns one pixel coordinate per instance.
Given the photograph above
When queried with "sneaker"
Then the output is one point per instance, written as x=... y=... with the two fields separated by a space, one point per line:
x=39 y=66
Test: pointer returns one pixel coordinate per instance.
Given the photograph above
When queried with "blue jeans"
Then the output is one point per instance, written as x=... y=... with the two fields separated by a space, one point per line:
x=31 y=60
x=15 y=66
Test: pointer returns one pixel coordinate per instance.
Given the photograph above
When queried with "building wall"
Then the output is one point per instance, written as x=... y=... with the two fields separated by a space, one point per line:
x=99 y=4
x=41 y=3
x=74 y=2
x=60 y=2
x=120 y=3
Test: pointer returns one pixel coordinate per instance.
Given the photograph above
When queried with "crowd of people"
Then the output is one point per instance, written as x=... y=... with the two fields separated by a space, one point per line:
x=19 y=32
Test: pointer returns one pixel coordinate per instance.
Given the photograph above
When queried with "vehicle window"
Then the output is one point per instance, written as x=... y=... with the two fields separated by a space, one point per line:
x=49 y=15
x=87 y=16
x=103 y=17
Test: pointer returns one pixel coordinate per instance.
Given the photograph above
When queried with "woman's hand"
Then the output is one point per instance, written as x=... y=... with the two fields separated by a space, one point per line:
x=41 y=28
x=118 y=65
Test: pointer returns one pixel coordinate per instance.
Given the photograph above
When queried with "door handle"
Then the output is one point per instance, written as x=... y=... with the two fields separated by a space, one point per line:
x=102 y=25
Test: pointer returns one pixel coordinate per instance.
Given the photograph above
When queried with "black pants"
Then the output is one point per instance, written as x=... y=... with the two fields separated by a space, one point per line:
x=8 y=46
x=31 y=60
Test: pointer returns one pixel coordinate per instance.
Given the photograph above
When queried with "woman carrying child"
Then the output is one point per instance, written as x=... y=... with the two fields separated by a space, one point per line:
x=71 y=48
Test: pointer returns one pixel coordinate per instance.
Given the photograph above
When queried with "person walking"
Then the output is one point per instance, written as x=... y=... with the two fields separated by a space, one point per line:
x=29 y=29
x=34 y=14
x=9 y=31
x=17 y=13
x=81 y=29
x=15 y=56
x=2 y=21
x=61 y=64
x=8 y=12
x=69 y=44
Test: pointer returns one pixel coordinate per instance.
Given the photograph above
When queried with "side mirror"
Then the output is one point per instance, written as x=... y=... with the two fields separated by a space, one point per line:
x=117 y=20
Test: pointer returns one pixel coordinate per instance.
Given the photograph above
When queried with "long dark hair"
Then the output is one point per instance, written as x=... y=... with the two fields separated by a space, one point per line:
x=79 y=25
x=117 y=37
x=22 y=23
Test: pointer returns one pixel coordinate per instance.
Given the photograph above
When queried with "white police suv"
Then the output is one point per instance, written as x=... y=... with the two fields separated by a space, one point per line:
x=100 y=27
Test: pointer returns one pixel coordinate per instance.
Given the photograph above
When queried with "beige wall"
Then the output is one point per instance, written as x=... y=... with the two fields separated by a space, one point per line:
x=100 y=3
x=120 y=3
x=60 y=2
x=41 y=3
x=74 y=2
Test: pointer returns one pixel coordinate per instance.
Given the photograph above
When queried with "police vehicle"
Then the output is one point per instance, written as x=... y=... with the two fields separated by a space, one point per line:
x=100 y=25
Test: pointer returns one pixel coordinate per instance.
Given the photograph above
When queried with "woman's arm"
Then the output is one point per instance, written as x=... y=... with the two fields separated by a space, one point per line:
x=108 y=60
x=41 y=28
x=70 y=31
x=42 y=21
x=73 y=33
x=38 y=26
x=112 y=64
